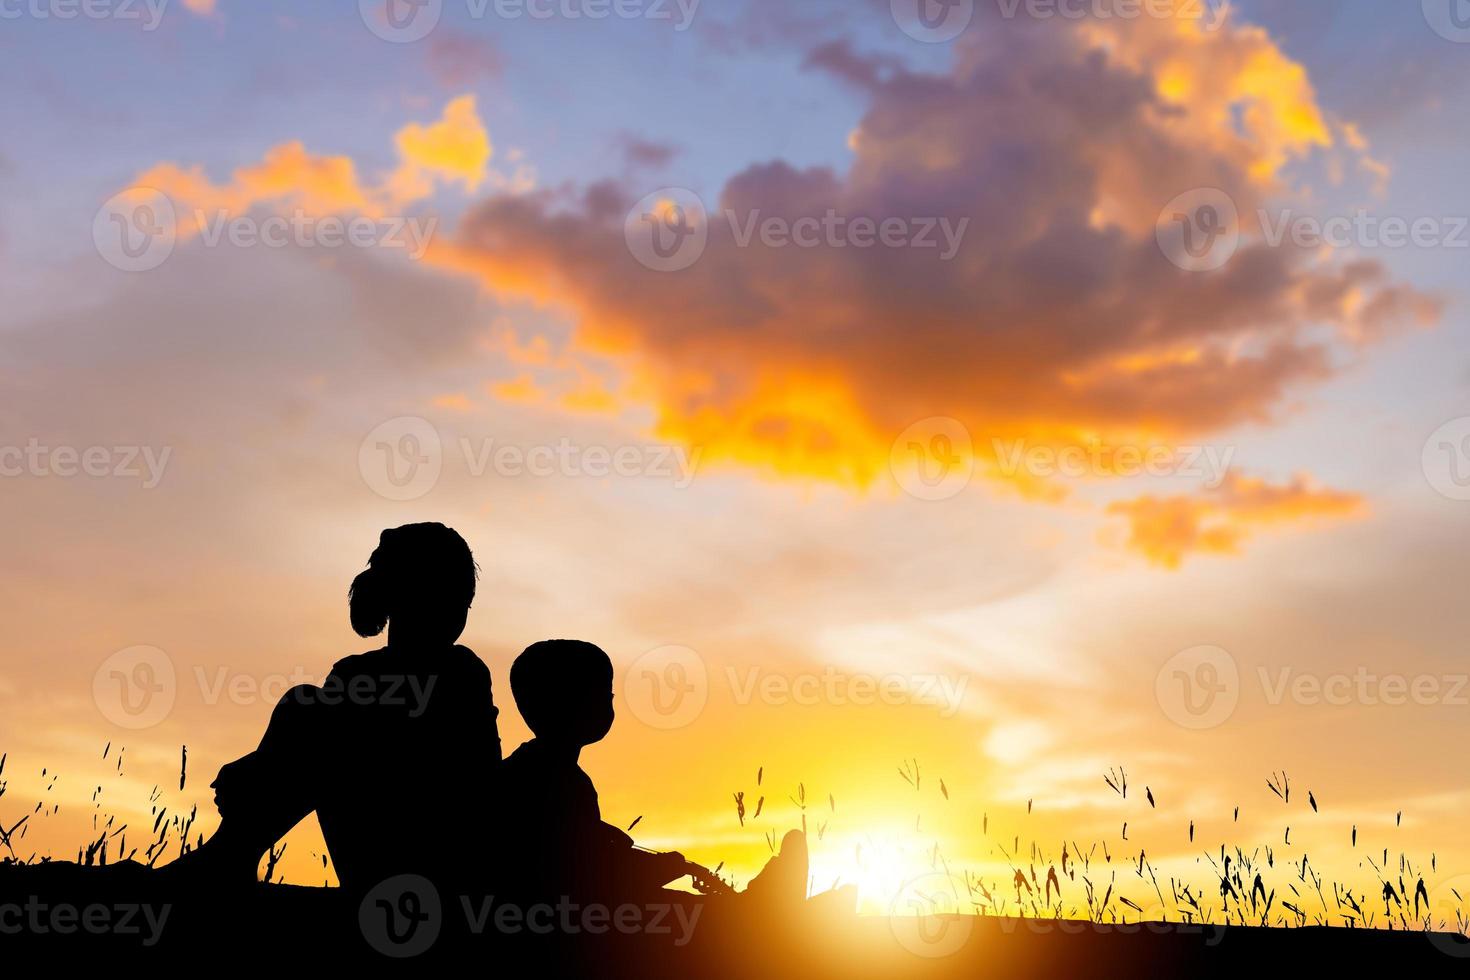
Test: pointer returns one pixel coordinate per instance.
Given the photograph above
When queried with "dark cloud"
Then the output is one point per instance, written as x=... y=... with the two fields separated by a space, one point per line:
x=645 y=154
x=461 y=61
x=1058 y=318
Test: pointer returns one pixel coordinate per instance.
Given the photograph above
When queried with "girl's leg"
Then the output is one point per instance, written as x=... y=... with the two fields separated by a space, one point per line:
x=263 y=795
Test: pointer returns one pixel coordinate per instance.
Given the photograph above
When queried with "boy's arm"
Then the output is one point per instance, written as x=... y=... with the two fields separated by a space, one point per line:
x=646 y=868
x=614 y=837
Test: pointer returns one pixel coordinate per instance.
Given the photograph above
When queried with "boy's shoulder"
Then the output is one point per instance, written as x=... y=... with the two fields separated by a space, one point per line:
x=538 y=774
x=527 y=755
x=531 y=757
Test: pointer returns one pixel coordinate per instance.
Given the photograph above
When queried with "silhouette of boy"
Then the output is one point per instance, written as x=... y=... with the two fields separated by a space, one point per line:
x=558 y=842
x=553 y=828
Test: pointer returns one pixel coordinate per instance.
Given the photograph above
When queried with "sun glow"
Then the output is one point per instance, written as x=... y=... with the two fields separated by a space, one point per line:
x=889 y=872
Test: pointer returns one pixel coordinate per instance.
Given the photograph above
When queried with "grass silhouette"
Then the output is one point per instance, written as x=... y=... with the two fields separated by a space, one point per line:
x=1271 y=886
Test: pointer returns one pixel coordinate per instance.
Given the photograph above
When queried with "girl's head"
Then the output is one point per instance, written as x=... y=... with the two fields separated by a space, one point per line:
x=421 y=579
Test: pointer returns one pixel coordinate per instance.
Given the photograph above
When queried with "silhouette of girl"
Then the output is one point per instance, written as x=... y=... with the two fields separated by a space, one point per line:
x=392 y=751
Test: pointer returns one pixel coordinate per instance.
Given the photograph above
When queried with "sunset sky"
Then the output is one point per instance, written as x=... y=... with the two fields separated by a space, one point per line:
x=811 y=488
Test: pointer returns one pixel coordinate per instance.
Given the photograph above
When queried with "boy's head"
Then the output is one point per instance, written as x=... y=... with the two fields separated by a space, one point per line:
x=564 y=690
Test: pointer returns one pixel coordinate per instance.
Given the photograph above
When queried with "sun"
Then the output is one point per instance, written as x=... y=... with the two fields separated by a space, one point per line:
x=893 y=877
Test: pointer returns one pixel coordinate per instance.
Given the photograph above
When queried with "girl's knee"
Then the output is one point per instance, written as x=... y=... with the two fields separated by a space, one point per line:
x=297 y=708
x=303 y=694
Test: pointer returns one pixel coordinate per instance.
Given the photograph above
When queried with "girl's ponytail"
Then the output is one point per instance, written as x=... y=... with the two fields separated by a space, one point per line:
x=367 y=602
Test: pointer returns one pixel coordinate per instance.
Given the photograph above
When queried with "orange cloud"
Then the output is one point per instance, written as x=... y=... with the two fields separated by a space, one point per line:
x=1058 y=321
x=590 y=394
x=288 y=175
x=1166 y=530
x=456 y=149
x=1048 y=151
x=1237 y=91
x=204 y=8
x=536 y=351
x=522 y=388
x=457 y=402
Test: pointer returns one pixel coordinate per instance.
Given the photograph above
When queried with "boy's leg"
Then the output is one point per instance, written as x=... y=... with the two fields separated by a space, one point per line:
x=784 y=878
